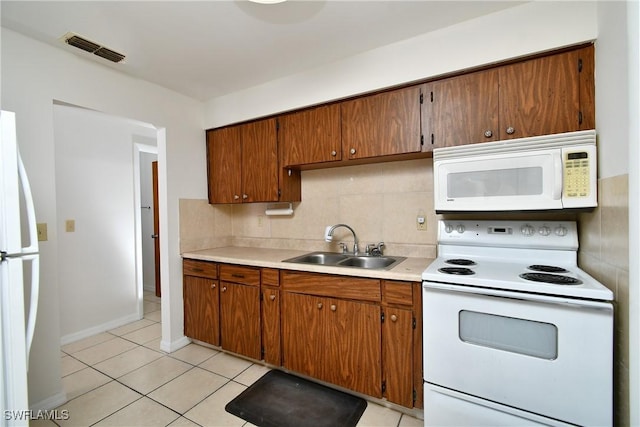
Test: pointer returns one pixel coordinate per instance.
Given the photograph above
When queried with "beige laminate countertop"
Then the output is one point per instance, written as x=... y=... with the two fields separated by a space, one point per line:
x=408 y=270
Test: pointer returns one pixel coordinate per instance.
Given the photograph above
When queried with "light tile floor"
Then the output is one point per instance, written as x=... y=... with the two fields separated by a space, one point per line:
x=122 y=378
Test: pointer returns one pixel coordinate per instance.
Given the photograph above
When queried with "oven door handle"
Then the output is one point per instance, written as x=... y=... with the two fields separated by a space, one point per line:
x=599 y=305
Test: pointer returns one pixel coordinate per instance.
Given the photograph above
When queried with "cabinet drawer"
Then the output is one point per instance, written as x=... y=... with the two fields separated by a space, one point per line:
x=270 y=277
x=200 y=268
x=397 y=292
x=240 y=274
x=332 y=286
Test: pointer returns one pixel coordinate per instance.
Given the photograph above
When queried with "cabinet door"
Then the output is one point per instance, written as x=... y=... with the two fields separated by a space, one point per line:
x=224 y=154
x=540 y=96
x=311 y=136
x=271 y=343
x=397 y=355
x=240 y=319
x=382 y=124
x=259 y=161
x=304 y=334
x=353 y=346
x=461 y=110
x=201 y=309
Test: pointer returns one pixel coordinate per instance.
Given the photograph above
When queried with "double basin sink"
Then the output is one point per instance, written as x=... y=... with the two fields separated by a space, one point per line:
x=348 y=260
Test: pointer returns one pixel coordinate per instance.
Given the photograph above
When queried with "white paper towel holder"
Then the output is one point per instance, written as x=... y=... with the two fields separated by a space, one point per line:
x=275 y=210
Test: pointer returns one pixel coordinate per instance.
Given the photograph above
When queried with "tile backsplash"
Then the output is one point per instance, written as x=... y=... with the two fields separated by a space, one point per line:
x=380 y=202
x=604 y=253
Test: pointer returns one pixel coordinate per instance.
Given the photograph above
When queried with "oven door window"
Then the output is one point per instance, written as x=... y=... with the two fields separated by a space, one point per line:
x=522 y=336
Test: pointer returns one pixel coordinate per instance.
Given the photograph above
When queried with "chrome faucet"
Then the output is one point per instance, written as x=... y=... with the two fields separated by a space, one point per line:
x=328 y=235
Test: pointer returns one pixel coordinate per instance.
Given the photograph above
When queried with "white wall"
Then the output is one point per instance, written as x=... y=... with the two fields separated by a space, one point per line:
x=532 y=27
x=33 y=76
x=94 y=164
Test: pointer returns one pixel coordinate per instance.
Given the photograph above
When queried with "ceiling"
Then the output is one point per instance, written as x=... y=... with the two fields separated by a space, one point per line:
x=205 y=49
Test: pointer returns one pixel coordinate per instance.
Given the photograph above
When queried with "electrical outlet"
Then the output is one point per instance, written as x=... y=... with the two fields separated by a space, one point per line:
x=260 y=220
x=42 y=231
x=70 y=225
x=421 y=222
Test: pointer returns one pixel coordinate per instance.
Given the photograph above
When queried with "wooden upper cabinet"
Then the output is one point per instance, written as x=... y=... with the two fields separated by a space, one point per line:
x=243 y=165
x=382 y=124
x=543 y=95
x=224 y=154
x=260 y=161
x=461 y=110
x=311 y=136
x=546 y=95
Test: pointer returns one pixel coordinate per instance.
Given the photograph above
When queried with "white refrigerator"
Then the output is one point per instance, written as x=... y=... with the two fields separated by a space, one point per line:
x=19 y=275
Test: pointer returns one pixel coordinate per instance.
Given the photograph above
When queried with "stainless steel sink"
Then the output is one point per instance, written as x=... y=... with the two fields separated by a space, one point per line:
x=323 y=258
x=345 y=260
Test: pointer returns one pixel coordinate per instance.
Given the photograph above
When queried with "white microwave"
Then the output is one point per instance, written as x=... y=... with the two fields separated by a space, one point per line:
x=537 y=173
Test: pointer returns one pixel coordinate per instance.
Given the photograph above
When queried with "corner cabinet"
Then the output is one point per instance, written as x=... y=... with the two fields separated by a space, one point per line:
x=243 y=165
x=545 y=95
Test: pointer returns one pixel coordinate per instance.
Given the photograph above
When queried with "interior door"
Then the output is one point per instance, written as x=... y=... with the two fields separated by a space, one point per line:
x=156 y=226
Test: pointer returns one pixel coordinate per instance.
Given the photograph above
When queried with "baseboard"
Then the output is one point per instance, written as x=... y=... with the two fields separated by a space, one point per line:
x=94 y=330
x=50 y=402
x=170 y=347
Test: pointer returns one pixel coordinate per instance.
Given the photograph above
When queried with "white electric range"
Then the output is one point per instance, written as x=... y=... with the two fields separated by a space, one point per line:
x=514 y=331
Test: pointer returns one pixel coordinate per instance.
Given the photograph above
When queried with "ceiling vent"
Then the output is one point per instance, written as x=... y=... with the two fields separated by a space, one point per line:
x=88 y=46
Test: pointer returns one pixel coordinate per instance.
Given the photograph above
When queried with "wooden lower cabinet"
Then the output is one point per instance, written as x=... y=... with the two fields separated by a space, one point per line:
x=201 y=301
x=361 y=334
x=397 y=354
x=334 y=340
x=271 y=343
x=201 y=313
x=240 y=319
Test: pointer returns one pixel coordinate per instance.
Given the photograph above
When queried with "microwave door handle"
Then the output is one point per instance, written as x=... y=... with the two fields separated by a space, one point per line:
x=556 y=192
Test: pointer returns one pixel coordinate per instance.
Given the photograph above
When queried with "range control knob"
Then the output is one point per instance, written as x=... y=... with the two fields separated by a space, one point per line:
x=527 y=230
x=460 y=228
x=448 y=228
x=544 y=230
x=561 y=231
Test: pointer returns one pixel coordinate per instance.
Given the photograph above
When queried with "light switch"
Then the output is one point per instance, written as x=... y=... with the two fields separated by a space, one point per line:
x=42 y=231
x=421 y=221
x=70 y=225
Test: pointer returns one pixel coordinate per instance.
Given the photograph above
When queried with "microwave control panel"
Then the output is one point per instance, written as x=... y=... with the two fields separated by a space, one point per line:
x=577 y=174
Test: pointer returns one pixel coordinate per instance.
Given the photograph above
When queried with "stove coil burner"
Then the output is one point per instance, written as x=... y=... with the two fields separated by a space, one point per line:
x=460 y=261
x=547 y=268
x=554 y=279
x=460 y=271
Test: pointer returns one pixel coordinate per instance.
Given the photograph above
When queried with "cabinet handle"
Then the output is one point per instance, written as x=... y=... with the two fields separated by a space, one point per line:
x=244 y=197
x=213 y=286
x=334 y=153
x=198 y=270
x=510 y=130
x=394 y=318
x=236 y=197
x=333 y=307
x=488 y=133
x=272 y=297
x=352 y=151
x=319 y=306
x=237 y=275
x=224 y=289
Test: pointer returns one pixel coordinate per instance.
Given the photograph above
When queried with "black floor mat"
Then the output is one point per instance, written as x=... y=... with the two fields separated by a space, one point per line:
x=279 y=399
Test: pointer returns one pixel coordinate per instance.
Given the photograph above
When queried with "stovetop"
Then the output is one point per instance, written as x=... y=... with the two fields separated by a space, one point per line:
x=515 y=256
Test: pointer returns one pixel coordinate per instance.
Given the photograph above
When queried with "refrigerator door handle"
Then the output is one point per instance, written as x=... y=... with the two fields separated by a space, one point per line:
x=33 y=301
x=31 y=212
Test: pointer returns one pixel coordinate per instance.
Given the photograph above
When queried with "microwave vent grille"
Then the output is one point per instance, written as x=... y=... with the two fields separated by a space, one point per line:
x=544 y=142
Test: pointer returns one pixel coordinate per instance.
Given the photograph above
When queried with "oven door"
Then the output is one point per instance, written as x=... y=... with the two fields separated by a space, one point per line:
x=549 y=356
